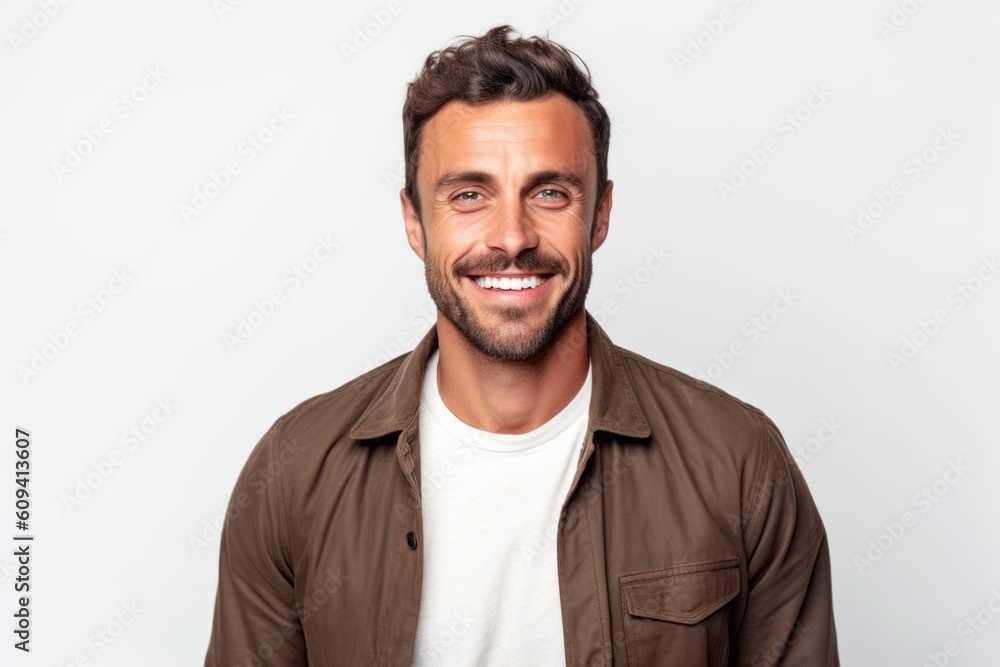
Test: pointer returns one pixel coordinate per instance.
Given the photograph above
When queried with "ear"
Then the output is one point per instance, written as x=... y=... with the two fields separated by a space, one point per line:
x=602 y=218
x=414 y=228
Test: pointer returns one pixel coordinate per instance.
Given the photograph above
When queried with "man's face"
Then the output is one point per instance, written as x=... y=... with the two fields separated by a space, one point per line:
x=509 y=220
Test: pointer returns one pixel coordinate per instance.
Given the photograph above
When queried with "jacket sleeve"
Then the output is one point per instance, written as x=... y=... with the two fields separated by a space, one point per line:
x=788 y=618
x=256 y=622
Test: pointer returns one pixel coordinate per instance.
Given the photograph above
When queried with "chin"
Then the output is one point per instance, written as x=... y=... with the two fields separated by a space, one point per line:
x=513 y=341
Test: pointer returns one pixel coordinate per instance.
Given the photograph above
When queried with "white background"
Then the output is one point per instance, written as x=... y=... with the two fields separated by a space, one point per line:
x=334 y=172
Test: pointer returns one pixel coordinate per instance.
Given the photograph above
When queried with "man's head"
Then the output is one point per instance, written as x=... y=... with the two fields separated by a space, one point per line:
x=506 y=183
x=499 y=67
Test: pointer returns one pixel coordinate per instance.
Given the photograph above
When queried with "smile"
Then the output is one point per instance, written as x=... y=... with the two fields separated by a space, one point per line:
x=509 y=282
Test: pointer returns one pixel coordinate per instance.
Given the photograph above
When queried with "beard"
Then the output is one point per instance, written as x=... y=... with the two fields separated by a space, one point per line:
x=505 y=333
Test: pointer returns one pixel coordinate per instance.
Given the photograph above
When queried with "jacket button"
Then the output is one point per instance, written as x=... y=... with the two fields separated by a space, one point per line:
x=411 y=540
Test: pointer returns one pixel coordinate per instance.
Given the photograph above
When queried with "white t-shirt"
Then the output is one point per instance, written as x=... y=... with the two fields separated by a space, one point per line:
x=491 y=505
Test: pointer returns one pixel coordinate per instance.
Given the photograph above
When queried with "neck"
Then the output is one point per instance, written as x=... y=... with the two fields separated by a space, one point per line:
x=511 y=396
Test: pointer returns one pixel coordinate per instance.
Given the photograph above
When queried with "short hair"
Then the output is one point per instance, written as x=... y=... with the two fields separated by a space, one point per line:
x=496 y=67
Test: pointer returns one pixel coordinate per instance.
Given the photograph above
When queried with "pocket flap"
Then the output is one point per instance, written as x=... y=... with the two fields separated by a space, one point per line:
x=683 y=594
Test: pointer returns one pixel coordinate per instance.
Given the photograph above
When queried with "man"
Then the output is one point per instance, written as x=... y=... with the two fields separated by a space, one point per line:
x=518 y=490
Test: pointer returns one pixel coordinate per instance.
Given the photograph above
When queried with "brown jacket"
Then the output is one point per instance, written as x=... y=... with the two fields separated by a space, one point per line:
x=688 y=537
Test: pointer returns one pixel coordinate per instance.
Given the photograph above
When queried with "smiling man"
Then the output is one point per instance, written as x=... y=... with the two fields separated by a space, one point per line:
x=517 y=489
x=506 y=232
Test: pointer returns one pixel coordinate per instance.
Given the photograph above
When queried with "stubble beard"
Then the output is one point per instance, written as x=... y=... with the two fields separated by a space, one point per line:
x=510 y=340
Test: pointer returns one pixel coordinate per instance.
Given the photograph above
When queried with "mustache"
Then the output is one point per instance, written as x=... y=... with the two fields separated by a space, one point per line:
x=529 y=261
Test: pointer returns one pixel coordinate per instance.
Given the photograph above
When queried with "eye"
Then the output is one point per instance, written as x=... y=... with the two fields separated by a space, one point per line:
x=550 y=193
x=462 y=196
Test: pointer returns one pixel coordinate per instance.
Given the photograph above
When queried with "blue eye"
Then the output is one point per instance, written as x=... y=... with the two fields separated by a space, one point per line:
x=553 y=192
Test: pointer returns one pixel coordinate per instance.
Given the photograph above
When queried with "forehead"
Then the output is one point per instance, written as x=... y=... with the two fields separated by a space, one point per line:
x=544 y=133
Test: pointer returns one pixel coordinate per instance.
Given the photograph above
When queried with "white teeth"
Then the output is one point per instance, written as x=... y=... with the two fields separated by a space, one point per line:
x=509 y=283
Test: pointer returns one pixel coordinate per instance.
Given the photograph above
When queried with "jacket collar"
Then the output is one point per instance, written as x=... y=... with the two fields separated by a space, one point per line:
x=613 y=405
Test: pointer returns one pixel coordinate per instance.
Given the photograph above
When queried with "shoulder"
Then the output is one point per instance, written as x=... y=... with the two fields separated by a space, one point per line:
x=687 y=397
x=702 y=424
x=306 y=451
x=714 y=434
x=300 y=442
x=335 y=411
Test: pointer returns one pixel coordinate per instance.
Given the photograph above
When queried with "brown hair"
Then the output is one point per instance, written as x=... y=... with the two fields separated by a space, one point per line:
x=494 y=67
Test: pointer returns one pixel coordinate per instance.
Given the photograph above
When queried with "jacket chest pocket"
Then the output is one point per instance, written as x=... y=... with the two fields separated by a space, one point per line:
x=677 y=616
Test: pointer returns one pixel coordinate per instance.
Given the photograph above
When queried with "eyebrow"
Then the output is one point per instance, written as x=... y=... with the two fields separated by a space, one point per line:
x=553 y=176
x=453 y=178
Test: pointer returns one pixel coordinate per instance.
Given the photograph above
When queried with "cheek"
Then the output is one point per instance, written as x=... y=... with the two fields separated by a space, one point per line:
x=446 y=251
x=570 y=243
x=440 y=261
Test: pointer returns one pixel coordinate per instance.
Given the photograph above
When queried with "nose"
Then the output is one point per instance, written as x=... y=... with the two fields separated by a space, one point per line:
x=511 y=230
